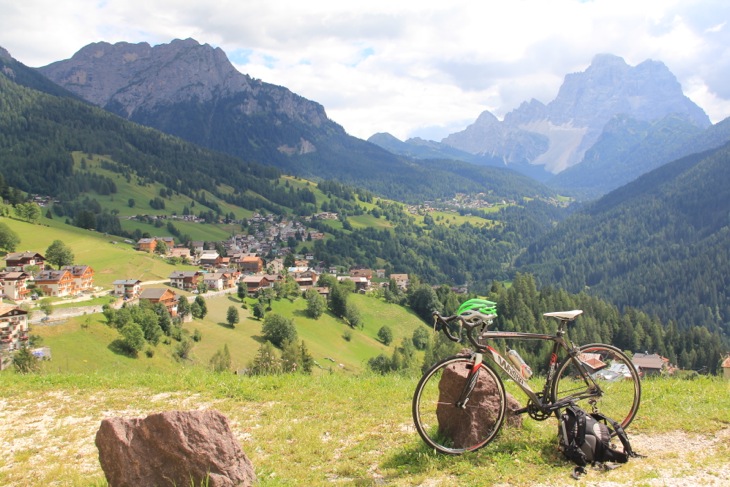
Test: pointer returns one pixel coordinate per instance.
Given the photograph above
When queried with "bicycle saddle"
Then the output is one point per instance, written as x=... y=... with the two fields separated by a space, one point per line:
x=565 y=315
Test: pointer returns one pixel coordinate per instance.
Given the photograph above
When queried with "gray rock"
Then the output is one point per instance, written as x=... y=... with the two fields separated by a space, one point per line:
x=173 y=448
x=466 y=426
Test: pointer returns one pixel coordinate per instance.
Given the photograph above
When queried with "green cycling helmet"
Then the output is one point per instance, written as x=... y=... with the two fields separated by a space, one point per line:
x=479 y=305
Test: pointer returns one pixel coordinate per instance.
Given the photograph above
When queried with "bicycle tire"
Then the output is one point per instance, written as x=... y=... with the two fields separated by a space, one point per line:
x=615 y=374
x=451 y=429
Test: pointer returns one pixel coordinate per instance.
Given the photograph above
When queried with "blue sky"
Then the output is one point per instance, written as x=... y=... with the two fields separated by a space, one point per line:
x=413 y=69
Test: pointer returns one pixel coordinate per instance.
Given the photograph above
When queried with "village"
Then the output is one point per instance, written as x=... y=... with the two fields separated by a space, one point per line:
x=26 y=277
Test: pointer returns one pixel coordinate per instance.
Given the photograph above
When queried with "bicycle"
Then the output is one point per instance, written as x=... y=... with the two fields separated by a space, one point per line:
x=459 y=404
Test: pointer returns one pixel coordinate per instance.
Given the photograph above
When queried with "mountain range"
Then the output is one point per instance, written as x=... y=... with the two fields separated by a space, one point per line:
x=606 y=127
x=192 y=91
x=656 y=242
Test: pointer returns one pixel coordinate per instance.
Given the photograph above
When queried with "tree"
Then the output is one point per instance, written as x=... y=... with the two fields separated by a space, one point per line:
x=338 y=300
x=277 y=329
x=183 y=307
x=46 y=306
x=132 y=338
x=424 y=301
x=296 y=358
x=24 y=361
x=352 y=315
x=183 y=349
x=380 y=364
x=259 y=310
x=266 y=361
x=385 y=335
x=203 y=308
x=241 y=292
x=221 y=360
x=161 y=247
x=421 y=338
x=59 y=254
x=9 y=240
x=316 y=303
x=232 y=316
x=30 y=212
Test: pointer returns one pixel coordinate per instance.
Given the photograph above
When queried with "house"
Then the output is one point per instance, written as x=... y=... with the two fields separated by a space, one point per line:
x=180 y=253
x=306 y=278
x=15 y=285
x=401 y=280
x=150 y=244
x=649 y=364
x=231 y=276
x=185 y=280
x=127 y=288
x=726 y=368
x=209 y=258
x=57 y=283
x=362 y=284
x=146 y=245
x=13 y=327
x=20 y=261
x=251 y=264
x=164 y=296
x=83 y=278
x=215 y=281
x=257 y=282
x=366 y=273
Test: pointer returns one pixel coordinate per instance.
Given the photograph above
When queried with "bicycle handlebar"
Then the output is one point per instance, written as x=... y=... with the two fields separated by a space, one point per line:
x=469 y=322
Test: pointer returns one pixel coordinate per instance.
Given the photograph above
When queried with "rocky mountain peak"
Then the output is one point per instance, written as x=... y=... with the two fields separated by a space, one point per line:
x=130 y=78
x=4 y=54
x=557 y=135
x=132 y=75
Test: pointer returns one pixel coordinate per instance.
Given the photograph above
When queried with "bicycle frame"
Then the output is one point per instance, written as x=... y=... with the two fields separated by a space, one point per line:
x=559 y=342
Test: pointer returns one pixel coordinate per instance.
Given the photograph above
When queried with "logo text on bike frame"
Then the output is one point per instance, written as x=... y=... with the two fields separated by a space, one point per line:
x=509 y=369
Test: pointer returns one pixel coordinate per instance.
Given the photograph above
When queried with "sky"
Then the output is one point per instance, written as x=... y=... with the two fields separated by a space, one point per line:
x=410 y=68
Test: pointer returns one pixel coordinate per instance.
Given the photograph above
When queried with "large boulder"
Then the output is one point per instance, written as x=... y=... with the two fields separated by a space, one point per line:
x=466 y=426
x=173 y=448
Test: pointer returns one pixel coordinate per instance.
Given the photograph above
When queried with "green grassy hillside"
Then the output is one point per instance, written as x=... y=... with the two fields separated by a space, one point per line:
x=109 y=256
x=83 y=344
x=344 y=430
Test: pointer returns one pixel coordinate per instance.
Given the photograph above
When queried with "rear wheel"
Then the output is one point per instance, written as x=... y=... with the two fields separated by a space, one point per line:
x=454 y=428
x=612 y=371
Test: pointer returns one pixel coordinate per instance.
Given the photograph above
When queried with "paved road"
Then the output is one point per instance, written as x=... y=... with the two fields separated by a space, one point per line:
x=60 y=315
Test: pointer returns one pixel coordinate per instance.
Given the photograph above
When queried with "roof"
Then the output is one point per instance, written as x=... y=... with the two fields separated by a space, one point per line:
x=51 y=275
x=14 y=275
x=22 y=255
x=7 y=308
x=154 y=293
x=178 y=274
x=648 y=361
x=77 y=270
x=127 y=282
x=726 y=363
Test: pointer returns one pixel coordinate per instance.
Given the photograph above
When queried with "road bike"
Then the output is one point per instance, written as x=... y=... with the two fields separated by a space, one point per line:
x=460 y=403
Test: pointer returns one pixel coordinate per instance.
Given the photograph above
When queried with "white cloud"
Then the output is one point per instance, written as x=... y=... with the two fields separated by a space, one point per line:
x=409 y=68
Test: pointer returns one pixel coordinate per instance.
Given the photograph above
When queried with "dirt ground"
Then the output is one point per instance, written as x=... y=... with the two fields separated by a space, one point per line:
x=54 y=434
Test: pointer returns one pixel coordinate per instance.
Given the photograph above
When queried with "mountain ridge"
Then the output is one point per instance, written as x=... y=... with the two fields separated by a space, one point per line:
x=586 y=101
x=246 y=118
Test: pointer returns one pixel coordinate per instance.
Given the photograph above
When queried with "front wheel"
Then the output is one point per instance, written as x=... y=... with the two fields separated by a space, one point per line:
x=615 y=375
x=446 y=418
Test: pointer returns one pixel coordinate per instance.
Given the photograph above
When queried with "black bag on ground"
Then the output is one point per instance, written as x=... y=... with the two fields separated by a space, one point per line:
x=586 y=439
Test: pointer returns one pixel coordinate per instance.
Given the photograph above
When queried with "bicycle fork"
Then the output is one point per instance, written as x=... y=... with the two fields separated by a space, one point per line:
x=471 y=381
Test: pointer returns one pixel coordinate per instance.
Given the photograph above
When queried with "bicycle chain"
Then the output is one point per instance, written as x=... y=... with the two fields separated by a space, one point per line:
x=534 y=411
